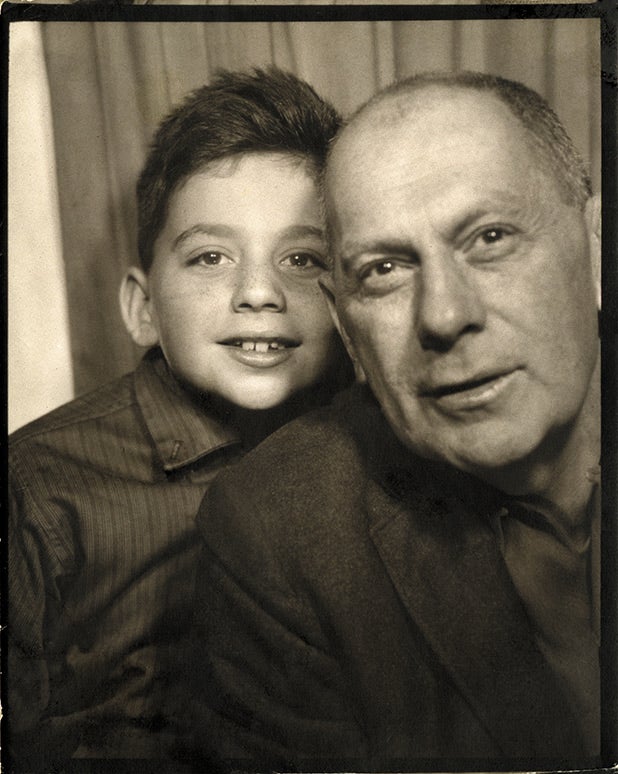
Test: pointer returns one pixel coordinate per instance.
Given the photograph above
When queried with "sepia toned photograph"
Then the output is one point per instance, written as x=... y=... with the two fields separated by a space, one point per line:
x=304 y=396
x=291 y=3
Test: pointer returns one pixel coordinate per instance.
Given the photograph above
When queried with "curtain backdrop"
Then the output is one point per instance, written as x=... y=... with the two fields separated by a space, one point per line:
x=111 y=83
x=40 y=373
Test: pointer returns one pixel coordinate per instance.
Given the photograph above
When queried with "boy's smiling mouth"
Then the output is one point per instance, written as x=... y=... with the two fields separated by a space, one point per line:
x=261 y=352
x=260 y=343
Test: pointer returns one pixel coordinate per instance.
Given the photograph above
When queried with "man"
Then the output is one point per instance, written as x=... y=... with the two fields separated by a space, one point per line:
x=412 y=575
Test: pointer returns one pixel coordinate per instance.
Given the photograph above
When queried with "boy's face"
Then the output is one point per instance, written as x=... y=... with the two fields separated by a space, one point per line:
x=233 y=294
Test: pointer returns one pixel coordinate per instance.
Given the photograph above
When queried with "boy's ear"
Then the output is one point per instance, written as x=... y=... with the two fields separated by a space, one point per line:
x=592 y=215
x=136 y=308
x=328 y=288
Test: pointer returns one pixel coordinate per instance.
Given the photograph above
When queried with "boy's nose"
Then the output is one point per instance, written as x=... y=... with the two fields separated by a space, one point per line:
x=258 y=288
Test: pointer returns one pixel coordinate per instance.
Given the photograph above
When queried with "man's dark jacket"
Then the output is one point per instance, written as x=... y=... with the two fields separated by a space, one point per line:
x=354 y=610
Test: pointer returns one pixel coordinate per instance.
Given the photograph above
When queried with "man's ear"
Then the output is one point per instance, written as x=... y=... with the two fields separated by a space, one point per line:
x=136 y=309
x=592 y=215
x=328 y=288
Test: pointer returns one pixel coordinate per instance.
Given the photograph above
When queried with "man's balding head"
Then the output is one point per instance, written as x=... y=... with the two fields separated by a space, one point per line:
x=548 y=137
x=466 y=276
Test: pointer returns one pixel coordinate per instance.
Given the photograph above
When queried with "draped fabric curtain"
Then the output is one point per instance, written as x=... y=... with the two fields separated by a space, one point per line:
x=111 y=83
x=40 y=372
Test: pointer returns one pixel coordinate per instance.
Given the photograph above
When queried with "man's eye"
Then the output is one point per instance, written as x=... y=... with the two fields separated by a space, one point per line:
x=384 y=267
x=209 y=258
x=493 y=240
x=491 y=243
x=385 y=275
x=492 y=235
x=304 y=261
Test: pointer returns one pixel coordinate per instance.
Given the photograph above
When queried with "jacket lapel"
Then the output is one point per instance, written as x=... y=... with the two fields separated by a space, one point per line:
x=445 y=563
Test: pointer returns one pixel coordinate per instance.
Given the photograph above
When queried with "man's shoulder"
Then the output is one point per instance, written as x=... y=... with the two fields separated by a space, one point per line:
x=292 y=500
x=318 y=446
x=313 y=471
x=328 y=467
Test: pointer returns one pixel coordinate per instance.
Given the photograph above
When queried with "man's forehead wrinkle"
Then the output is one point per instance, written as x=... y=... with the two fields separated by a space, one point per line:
x=429 y=100
x=429 y=110
x=502 y=179
x=502 y=133
x=445 y=223
x=495 y=112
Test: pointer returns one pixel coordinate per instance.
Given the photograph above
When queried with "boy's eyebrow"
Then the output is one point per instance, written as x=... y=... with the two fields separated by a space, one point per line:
x=297 y=231
x=302 y=231
x=216 y=229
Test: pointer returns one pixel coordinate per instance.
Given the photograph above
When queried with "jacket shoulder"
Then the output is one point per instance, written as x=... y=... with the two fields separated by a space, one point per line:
x=308 y=476
x=280 y=516
x=317 y=447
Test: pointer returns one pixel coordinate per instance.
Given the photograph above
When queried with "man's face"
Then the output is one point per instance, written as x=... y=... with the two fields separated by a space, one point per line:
x=465 y=286
x=233 y=289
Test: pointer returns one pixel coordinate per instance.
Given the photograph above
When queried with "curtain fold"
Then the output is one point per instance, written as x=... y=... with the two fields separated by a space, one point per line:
x=40 y=374
x=111 y=83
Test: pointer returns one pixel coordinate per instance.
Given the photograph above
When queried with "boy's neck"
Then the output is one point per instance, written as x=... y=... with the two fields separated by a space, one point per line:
x=254 y=425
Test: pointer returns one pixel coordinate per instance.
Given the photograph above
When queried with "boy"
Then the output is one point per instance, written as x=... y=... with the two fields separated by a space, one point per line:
x=103 y=491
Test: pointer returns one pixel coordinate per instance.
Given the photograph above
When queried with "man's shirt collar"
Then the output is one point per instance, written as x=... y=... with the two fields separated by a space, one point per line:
x=182 y=429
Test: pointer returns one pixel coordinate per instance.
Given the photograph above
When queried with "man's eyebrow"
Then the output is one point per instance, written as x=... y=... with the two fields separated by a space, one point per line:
x=469 y=218
x=509 y=206
x=211 y=229
x=499 y=204
x=351 y=250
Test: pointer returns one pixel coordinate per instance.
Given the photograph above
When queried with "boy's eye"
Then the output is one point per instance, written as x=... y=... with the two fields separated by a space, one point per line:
x=303 y=260
x=209 y=258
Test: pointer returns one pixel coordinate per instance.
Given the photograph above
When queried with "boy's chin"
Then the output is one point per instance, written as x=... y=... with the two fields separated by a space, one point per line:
x=263 y=400
x=270 y=397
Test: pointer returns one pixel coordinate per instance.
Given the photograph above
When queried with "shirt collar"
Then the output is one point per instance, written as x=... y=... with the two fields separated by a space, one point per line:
x=181 y=427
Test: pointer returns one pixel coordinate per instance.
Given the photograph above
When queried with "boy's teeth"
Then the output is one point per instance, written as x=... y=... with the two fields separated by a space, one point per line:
x=259 y=346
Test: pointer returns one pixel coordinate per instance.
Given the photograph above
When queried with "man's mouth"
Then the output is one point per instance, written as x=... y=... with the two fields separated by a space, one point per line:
x=453 y=389
x=470 y=393
x=261 y=344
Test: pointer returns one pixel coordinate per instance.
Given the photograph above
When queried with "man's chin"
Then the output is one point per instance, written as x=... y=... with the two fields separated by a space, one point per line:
x=481 y=450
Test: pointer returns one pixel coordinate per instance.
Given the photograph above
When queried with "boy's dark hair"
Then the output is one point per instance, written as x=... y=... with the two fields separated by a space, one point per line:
x=239 y=112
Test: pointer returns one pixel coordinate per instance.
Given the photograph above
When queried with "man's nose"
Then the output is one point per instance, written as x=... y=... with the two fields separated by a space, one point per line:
x=449 y=303
x=258 y=288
